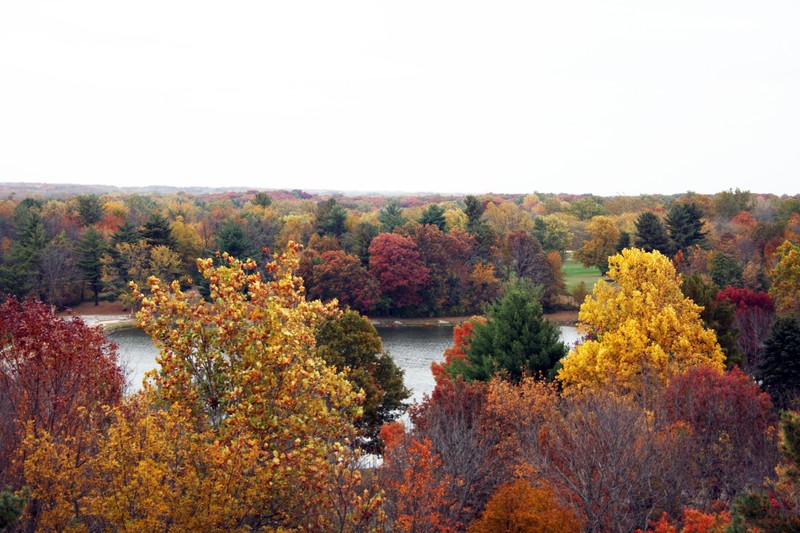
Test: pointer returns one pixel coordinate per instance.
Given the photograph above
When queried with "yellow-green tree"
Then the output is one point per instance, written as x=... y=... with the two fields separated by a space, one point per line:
x=603 y=238
x=785 y=290
x=641 y=329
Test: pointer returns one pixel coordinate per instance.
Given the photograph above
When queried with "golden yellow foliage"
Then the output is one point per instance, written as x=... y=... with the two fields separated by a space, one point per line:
x=252 y=429
x=641 y=329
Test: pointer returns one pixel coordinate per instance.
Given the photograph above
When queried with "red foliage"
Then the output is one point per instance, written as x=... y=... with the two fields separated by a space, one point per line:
x=733 y=427
x=447 y=257
x=745 y=299
x=55 y=373
x=339 y=275
x=450 y=399
x=710 y=402
x=395 y=263
x=744 y=221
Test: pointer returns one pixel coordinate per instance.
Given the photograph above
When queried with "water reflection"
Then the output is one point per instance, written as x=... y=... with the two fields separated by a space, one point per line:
x=413 y=348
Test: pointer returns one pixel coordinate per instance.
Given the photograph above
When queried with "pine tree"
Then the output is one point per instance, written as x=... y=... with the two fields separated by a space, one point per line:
x=90 y=210
x=725 y=271
x=391 y=216
x=157 y=231
x=232 y=239
x=516 y=339
x=651 y=234
x=91 y=248
x=685 y=225
x=433 y=215
x=780 y=367
x=331 y=217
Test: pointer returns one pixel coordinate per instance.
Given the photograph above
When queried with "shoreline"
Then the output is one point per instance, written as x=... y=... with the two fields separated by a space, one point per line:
x=110 y=316
x=560 y=318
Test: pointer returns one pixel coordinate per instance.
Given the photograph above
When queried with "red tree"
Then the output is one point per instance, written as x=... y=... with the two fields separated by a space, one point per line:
x=395 y=262
x=54 y=373
x=340 y=275
x=753 y=316
x=447 y=257
x=733 y=429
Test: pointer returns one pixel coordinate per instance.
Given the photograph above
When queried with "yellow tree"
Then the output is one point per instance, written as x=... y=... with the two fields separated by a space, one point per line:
x=785 y=290
x=243 y=368
x=641 y=330
x=603 y=238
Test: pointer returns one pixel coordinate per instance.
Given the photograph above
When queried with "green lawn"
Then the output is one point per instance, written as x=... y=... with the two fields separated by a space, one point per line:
x=575 y=273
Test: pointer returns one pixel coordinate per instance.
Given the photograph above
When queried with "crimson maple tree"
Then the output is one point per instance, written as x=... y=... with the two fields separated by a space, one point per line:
x=395 y=262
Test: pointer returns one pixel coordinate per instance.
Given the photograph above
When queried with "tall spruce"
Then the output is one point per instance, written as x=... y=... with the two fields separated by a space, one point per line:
x=91 y=248
x=651 y=234
x=780 y=366
x=685 y=225
x=434 y=215
x=391 y=216
x=516 y=340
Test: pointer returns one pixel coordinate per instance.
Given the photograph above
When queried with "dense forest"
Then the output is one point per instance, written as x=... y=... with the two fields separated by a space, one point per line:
x=275 y=408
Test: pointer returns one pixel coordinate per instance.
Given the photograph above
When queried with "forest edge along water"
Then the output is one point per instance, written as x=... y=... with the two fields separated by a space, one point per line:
x=413 y=348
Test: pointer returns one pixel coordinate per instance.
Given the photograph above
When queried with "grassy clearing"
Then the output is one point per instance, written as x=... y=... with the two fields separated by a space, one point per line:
x=575 y=273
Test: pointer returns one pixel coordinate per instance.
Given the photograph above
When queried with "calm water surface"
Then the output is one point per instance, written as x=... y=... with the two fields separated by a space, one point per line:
x=413 y=348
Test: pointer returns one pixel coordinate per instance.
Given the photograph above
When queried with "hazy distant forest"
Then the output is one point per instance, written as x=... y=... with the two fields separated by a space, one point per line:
x=276 y=409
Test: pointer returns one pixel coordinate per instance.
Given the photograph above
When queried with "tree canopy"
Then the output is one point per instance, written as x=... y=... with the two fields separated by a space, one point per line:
x=640 y=329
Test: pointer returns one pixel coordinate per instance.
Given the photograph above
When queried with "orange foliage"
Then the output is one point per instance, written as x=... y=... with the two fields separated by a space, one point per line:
x=392 y=436
x=518 y=506
x=422 y=495
x=462 y=334
x=694 y=521
x=516 y=413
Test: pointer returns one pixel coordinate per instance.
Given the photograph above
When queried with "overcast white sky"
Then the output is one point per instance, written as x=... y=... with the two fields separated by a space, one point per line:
x=608 y=97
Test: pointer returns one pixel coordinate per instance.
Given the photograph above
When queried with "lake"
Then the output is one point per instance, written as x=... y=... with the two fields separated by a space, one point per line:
x=413 y=348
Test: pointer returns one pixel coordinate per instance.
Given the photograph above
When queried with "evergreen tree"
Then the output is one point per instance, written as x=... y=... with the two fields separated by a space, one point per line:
x=157 y=231
x=780 y=367
x=232 y=238
x=128 y=233
x=685 y=225
x=391 y=216
x=91 y=249
x=357 y=241
x=651 y=234
x=474 y=209
x=433 y=215
x=90 y=210
x=624 y=241
x=516 y=339
x=262 y=199
x=26 y=255
x=725 y=271
x=331 y=217
x=477 y=227
x=11 y=506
